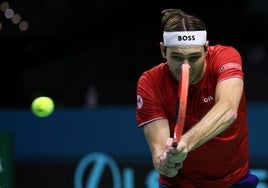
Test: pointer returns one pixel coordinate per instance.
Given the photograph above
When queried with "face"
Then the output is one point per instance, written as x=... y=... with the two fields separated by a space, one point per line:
x=192 y=55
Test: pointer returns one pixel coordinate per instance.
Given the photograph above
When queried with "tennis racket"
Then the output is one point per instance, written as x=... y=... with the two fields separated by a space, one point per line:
x=182 y=95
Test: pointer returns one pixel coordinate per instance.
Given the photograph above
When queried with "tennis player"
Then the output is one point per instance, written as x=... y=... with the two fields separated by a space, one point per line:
x=213 y=151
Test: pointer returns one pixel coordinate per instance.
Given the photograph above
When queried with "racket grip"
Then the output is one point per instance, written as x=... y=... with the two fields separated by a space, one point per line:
x=178 y=165
x=174 y=144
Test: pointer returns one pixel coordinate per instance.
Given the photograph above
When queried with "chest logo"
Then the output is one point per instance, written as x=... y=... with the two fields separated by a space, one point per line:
x=139 y=101
x=207 y=99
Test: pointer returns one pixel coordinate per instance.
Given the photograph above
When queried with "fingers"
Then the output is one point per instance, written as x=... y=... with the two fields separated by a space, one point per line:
x=170 y=159
x=171 y=145
x=167 y=167
x=178 y=165
x=179 y=146
x=169 y=142
x=177 y=151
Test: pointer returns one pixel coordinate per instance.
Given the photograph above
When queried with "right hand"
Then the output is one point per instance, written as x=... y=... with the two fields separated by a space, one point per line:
x=171 y=159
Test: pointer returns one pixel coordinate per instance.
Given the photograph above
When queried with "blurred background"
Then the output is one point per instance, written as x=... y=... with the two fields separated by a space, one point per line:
x=87 y=56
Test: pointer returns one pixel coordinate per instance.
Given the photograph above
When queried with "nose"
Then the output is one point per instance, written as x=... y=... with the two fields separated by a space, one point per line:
x=185 y=61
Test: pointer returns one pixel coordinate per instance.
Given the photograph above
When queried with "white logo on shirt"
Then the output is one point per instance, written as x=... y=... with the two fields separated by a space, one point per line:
x=139 y=101
x=230 y=66
x=207 y=99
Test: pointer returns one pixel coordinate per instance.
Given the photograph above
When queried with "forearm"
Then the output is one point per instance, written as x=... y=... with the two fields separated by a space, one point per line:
x=213 y=123
x=157 y=134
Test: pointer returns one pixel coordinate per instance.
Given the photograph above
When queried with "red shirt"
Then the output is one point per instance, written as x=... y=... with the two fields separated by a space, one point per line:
x=224 y=159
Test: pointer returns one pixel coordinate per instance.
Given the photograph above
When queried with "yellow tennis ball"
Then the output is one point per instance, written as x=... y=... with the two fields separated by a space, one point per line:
x=42 y=106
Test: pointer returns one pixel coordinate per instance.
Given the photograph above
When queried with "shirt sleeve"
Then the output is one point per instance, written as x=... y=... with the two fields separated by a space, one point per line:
x=228 y=64
x=148 y=107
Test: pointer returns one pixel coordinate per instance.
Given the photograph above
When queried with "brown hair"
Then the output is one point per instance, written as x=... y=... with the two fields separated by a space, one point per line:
x=177 y=20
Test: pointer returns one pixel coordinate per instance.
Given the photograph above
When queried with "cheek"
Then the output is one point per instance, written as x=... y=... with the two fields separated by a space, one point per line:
x=173 y=66
x=197 y=64
x=174 y=69
x=197 y=68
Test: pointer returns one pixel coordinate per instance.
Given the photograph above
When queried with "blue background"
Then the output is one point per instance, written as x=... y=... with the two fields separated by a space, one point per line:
x=68 y=134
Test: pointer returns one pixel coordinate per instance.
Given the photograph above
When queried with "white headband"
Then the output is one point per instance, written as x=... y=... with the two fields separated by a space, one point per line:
x=185 y=38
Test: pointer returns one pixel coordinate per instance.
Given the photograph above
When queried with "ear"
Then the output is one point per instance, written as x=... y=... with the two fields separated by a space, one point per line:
x=206 y=47
x=163 y=50
x=207 y=43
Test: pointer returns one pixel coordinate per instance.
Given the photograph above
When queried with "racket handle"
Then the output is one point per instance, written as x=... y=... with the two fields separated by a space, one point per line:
x=174 y=144
x=178 y=165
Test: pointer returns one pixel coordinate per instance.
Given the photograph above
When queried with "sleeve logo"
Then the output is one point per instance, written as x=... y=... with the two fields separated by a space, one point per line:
x=139 y=101
x=230 y=66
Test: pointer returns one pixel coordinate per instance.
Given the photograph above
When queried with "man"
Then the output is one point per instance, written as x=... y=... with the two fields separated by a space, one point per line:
x=213 y=151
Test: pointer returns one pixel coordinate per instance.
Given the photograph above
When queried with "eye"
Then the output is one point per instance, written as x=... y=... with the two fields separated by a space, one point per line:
x=193 y=58
x=177 y=58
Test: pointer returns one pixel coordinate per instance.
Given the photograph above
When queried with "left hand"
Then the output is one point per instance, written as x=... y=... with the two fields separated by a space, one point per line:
x=171 y=160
